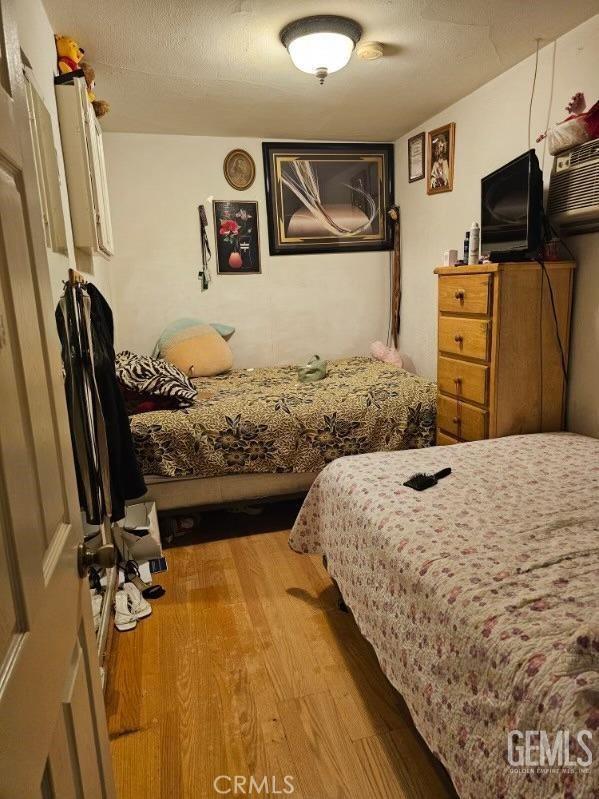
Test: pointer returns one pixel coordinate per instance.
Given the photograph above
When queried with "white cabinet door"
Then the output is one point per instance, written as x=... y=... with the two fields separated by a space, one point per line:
x=86 y=172
x=99 y=184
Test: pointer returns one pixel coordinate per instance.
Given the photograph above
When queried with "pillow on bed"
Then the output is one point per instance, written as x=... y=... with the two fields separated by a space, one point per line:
x=226 y=331
x=152 y=378
x=198 y=351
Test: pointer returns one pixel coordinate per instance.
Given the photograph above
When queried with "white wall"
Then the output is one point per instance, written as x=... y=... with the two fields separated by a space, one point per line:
x=491 y=129
x=36 y=38
x=333 y=305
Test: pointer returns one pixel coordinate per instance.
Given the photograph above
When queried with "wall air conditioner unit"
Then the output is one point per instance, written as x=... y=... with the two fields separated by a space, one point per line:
x=573 y=201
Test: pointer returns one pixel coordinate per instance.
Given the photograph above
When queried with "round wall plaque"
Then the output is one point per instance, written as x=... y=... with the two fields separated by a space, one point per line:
x=239 y=169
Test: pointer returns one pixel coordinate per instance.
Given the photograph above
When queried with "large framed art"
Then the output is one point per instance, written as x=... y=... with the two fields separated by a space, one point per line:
x=328 y=197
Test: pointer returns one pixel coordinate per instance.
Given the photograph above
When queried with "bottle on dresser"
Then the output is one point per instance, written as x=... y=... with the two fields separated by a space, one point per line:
x=474 y=248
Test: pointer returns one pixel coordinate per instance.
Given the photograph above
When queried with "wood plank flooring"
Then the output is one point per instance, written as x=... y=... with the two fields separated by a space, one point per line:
x=247 y=667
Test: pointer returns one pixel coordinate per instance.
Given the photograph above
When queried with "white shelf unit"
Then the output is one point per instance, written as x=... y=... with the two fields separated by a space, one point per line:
x=83 y=153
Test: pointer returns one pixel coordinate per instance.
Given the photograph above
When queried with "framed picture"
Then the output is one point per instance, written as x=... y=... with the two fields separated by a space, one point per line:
x=239 y=169
x=441 y=146
x=416 y=148
x=236 y=232
x=328 y=197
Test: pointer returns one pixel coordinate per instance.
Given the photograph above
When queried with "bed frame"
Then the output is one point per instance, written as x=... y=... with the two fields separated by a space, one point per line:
x=198 y=492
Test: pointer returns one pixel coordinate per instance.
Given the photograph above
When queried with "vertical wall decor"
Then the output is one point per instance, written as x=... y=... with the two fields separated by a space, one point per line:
x=236 y=232
x=416 y=150
x=441 y=149
x=395 y=276
x=204 y=271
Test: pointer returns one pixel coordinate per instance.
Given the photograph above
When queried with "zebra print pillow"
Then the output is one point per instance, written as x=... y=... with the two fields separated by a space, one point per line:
x=151 y=377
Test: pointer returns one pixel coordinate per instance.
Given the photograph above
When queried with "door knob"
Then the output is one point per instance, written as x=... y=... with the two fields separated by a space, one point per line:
x=104 y=557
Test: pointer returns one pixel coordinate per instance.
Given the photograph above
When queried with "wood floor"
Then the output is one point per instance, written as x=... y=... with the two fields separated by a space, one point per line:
x=247 y=667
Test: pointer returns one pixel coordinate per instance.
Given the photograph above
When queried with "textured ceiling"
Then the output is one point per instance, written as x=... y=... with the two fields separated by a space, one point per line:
x=216 y=67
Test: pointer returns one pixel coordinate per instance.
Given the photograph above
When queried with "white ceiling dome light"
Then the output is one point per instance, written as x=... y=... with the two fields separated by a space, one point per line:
x=322 y=44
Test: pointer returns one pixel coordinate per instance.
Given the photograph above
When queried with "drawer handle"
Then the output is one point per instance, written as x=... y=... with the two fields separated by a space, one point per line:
x=460 y=294
x=456 y=419
x=457 y=381
x=458 y=338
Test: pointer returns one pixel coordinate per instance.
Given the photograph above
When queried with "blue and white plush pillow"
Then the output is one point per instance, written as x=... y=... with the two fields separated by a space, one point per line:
x=150 y=377
x=226 y=331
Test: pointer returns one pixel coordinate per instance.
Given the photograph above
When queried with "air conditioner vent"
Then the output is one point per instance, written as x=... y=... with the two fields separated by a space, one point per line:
x=588 y=151
x=573 y=201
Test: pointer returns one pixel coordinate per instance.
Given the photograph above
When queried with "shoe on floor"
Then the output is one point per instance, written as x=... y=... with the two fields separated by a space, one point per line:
x=97 y=609
x=123 y=618
x=138 y=605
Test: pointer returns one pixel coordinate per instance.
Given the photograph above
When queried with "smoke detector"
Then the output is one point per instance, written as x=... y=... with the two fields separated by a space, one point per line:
x=369 y=51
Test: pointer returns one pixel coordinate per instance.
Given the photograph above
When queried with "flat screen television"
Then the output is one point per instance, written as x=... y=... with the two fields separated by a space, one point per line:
x=512 y=209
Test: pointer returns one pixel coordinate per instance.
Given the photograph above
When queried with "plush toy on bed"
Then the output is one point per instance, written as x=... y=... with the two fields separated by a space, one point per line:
x=197 y=349
x=386 y=354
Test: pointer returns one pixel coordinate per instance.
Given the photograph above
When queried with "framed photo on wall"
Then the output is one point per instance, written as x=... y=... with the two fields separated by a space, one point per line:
x=416 y=150
x=328 y=197
x=441 y=148
x=237 y=239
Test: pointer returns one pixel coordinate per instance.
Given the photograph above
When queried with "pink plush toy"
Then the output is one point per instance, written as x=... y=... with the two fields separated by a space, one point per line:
x=386 y=354
x=579 y=126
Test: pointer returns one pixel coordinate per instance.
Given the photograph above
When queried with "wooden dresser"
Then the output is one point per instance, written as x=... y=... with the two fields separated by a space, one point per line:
x=499 y=369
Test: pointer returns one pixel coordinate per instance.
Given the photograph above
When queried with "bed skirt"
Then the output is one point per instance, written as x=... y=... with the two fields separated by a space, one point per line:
x=172 y=493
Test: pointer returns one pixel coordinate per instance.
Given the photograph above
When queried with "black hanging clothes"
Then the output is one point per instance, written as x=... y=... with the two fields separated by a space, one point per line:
x=96 y=369
x=88 y=431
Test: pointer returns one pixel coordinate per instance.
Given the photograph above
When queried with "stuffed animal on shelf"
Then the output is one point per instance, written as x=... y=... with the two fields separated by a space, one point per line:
x=101 y=107
x=581 y=124
x=69 y=54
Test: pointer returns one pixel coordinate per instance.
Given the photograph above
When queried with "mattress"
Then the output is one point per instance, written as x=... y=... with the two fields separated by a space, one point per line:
x=265 y=421
x=480 y=597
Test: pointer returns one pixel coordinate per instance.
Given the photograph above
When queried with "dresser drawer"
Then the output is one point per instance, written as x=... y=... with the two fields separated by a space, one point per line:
x=466 y=380
x=461 y=336
x=444 y=440
x=460 y=419
x=464 y=293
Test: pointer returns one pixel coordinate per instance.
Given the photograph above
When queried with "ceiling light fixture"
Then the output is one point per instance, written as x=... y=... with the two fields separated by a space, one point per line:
x=322 y=44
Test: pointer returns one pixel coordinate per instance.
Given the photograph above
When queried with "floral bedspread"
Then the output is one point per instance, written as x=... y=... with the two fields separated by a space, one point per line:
x=265 y=420
x=480 y=597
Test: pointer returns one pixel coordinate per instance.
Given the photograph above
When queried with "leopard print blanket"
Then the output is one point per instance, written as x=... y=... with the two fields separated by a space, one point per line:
x=265 y=420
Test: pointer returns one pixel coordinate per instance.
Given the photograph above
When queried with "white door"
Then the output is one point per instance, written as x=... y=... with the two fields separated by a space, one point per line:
x=53 y=736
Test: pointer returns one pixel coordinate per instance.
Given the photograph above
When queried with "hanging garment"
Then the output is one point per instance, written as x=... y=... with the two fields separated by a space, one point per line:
x=122 y=480
x=88 y=430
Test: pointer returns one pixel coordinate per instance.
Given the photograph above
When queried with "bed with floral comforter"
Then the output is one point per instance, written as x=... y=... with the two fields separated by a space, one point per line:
x=266 y=421
x=480 y=597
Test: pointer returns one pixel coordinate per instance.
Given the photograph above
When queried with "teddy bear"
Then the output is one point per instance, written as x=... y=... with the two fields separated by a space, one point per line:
x=69 y=54
x=101 y=107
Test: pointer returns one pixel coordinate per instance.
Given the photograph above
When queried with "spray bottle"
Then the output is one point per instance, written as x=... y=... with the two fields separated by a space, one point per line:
x=474 y=249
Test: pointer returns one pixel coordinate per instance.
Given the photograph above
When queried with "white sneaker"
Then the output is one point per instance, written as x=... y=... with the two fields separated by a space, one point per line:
x=138 y=605
x=123 y=618
x=97 y=609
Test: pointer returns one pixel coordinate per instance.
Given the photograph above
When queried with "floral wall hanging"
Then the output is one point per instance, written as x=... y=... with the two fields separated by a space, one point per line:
x=237 y=240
